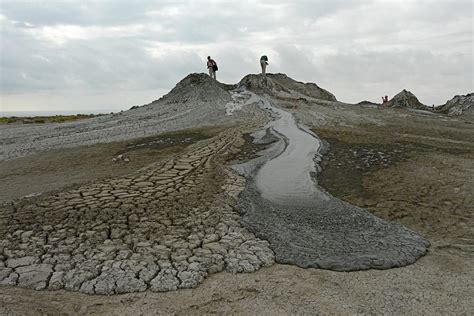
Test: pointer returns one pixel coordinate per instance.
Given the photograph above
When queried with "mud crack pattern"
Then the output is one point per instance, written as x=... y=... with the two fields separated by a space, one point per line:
x=165 y=227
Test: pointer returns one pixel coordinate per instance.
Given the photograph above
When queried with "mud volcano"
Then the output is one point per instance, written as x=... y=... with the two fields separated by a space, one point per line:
x=173 y=222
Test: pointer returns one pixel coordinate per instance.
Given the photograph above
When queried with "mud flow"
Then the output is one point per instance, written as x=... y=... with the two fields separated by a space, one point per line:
x=306 y=226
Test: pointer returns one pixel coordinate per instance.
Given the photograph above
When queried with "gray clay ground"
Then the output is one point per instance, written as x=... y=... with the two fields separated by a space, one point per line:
x=173 y=223
x=159 y=229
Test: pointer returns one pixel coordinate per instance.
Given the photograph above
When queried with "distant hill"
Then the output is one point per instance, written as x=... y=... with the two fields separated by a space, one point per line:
x=283 y=86
x=406 y=99
x=460 y=105
x=368 y=103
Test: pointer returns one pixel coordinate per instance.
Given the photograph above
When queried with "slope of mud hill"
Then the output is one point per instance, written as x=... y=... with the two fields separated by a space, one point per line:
x=166 y=220
x=196 y=101
x=460 y=105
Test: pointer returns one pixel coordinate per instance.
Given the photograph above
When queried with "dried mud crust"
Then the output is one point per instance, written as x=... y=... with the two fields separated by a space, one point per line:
x=164 y=227
x=427 y=187
x=56 y=169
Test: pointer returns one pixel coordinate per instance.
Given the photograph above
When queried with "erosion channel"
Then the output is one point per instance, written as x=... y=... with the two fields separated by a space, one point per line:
x=306 y=226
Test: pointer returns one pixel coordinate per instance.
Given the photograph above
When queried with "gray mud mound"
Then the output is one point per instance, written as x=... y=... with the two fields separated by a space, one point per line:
x=195 y=87
x=196 y=101
x=460 y=105
x=309 y=89
x=406 y=99
x=283 y=86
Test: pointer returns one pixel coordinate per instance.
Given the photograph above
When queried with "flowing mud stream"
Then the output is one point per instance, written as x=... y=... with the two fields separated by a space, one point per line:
x=305 y=226
x=286 y=179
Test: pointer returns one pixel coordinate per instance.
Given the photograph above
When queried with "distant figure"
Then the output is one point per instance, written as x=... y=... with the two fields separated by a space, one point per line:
x=263 y=64
x=384 y=100
x=212 y=66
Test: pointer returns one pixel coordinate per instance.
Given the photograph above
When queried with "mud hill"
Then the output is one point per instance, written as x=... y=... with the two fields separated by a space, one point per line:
x=406 y=99
x=280 y=85
x=196 y=101
x=196 y=87
x=460 y=105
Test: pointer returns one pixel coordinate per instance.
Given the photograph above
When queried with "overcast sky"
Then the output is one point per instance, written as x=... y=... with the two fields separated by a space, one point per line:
x=110 y=55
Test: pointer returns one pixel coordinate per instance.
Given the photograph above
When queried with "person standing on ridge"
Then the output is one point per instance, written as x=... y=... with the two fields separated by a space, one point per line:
x=212 y=67
x=264 y=63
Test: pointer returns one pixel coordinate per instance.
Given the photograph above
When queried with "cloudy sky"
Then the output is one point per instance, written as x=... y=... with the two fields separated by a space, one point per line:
x=106 y=55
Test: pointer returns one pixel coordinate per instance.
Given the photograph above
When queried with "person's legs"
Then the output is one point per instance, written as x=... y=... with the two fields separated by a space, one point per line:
x=212 y=73
x=264 y=66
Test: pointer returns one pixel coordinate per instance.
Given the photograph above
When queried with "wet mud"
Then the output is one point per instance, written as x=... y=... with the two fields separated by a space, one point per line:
x=304 y=224
x=287 y=178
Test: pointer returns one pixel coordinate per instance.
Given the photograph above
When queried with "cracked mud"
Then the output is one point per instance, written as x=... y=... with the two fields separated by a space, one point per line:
x=156 y=229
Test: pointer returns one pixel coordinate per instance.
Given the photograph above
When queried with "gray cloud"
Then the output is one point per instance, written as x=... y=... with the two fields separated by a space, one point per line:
x=356 y=49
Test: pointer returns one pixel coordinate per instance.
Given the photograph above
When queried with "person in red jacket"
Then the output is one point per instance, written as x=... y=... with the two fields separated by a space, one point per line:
x=212 y=67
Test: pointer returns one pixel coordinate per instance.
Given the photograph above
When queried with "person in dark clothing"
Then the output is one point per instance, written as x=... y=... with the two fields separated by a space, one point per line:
x=212 y=67
x=263 y=64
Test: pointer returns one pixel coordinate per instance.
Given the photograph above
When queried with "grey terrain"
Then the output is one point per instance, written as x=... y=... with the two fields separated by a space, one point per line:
x=258 y=187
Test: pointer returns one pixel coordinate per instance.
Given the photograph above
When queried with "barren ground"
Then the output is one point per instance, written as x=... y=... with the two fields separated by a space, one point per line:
x=60 y=168
x=420 y=176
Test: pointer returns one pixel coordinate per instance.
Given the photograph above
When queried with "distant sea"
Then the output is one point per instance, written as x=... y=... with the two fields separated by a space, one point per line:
x=47 y=113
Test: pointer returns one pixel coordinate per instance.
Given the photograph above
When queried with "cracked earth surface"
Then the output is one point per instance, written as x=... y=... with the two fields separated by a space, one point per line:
x=164 y=227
